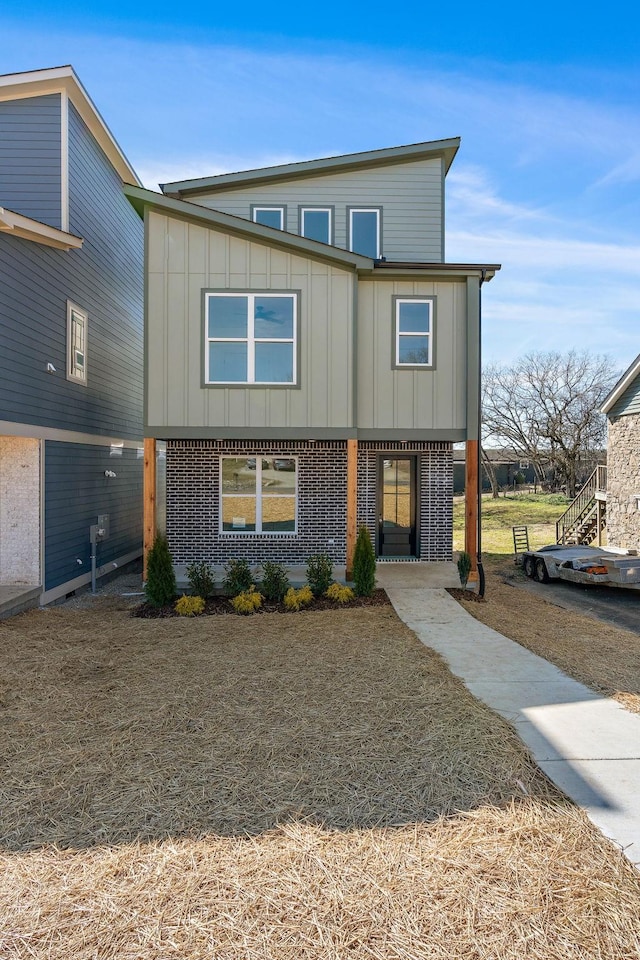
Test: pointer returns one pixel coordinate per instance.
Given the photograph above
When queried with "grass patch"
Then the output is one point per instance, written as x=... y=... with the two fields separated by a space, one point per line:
x=538 y=512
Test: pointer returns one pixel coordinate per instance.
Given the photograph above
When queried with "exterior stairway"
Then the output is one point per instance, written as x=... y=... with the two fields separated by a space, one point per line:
x=585 y=518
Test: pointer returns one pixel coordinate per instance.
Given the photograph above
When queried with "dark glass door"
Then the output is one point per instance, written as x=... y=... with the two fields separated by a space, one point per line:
x=397 y=507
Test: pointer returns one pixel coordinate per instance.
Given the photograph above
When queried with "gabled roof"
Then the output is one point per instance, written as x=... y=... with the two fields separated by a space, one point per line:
x=141 y=198
x=35 y=83
x=28 y=229
x=446 y=149
x=625 y=381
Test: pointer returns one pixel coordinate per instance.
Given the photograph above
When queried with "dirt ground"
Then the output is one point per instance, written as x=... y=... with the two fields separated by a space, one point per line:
x=602 y=656
x=289 y=787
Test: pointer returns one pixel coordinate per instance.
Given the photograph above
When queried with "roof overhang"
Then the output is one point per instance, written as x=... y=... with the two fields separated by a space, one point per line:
x=434 y=271
x=625 y=380
x=430 y=149
x=35 y=83
x=142 y=199
x=28 y=229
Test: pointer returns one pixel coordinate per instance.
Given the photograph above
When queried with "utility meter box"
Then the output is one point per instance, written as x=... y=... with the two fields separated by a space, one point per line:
x=100 y=530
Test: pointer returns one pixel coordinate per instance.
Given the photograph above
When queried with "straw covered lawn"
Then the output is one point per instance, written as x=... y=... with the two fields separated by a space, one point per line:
x=286 y=787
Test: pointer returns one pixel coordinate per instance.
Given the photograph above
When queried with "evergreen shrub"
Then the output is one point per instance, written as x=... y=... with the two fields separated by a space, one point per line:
x=238 y=577
x=201 y=579
x=319 y=573
x=189 y=606
x=275 y=581
x=364 y=564
x=160 y=588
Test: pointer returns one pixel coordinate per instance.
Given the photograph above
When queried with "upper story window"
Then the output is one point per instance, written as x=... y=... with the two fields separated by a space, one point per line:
x=77 y=328
x=250 y=337
x=414 y=322
x=269 y=216
x=364 y=231
x=316 y=223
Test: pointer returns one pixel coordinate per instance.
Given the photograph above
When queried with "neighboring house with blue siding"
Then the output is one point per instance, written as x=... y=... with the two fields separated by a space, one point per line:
x=71 y=311
x=311 y=358
x=622 y=408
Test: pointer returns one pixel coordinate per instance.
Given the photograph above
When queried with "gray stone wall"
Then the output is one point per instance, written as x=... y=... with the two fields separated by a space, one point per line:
x=623 y=482
x=193 y=500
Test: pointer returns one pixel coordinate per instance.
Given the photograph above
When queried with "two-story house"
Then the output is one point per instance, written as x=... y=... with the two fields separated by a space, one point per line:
x=71 y=290
x=310 y=358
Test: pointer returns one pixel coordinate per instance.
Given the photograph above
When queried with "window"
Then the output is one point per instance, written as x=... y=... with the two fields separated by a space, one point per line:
x=77 y=323
x=316 y=223
x=414 y=331
x=258 y=494
x=250 y=337
x=269 y=216
x=364 y=231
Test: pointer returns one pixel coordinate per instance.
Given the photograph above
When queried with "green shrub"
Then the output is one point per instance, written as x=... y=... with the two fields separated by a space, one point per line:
x=160 y=588
x=319 y=573
x=238 y=577
x=275 y=581
x=189 y=606
x=297 y=599
x=201 y=579
x=247 y=602
x=339 y=593
x=364 y=564
x=464 y=567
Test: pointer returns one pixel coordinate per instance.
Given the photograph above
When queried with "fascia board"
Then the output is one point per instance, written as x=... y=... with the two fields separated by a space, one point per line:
x=28 y=229
x=18 y=86
x=625 y=380
x=435 y=271
x=446 y=149
x=141 y=198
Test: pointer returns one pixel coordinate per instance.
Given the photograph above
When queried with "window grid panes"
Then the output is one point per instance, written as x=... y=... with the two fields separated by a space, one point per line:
x=77 y=322
x=258 y=495
x=250 y=338
x=414 y=332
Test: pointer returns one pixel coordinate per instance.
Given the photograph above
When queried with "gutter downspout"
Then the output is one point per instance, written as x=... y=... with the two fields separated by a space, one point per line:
x=481 y=578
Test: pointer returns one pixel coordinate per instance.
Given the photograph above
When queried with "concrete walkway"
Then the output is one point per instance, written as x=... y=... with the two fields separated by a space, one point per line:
x=587 y=744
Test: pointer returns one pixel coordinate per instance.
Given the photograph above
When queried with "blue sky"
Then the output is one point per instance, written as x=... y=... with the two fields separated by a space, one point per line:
x=545 y=98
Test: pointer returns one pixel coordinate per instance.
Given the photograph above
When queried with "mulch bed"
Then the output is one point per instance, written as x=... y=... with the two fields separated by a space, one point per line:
x=469 y=596
x=217 y=606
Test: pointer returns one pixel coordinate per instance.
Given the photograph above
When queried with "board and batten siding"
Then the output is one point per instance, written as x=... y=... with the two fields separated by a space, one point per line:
x=410 y=195
x=411 y=399
x=186 y=258
x=76 y=491
x=629 y=402
x=30 y=158
x=105 y=278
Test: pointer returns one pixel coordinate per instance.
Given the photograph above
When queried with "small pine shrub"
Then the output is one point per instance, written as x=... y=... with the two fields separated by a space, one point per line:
x=364 y=564
x=249 y=601
x=275 y=581
x=201 y=579
x=464 y=567
x=297 y=599
x=238 y=577
x=319 y=573
x=339 y=593
x=189 y=606
x=160 y=588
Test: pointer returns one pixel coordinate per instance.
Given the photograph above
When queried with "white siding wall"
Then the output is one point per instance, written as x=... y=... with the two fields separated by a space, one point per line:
x=19 y=510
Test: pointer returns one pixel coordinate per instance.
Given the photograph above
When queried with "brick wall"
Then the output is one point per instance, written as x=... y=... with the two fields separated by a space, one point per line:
x=623 y=482
x=193 y=500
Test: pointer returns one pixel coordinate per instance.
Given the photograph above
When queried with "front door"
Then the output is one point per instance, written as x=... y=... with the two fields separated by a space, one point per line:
x=397 y=507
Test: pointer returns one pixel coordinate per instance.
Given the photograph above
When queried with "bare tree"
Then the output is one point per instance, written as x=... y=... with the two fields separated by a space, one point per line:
x=546 y=407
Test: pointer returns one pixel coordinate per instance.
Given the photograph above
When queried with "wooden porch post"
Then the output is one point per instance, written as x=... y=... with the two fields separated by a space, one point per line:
x=149 y=497
x=352 y=504
x=471 y=506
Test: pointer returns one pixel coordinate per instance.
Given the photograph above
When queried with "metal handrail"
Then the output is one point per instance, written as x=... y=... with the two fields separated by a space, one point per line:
x=580 y=506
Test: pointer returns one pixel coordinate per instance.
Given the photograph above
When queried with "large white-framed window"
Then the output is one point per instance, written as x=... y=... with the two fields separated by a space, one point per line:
x=269 y=216
x=258 y=495
x=364 y=231
x=77 y=331
x=414 y=319
x=316 y=223
x=251 y=338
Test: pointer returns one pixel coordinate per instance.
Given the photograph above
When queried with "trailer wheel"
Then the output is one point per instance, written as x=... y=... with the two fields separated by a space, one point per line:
x=541 y=574
x=529 y=567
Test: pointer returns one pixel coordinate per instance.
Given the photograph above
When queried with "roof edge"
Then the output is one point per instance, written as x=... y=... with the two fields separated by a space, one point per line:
x=326 y=165
x=625 y=380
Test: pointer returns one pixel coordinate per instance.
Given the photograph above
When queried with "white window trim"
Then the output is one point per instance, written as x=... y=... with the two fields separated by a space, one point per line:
x=257 y=209
x=375 y=210
x=414 y=333
x=328 y=210
x=73 y=308
x=259 y=495
x=251 y=339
